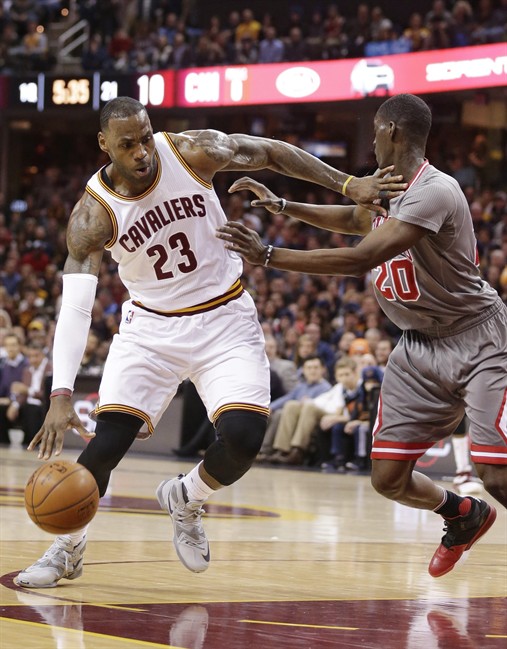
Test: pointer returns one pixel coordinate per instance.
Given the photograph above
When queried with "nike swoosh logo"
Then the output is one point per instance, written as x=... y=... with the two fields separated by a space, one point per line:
x=206 y=556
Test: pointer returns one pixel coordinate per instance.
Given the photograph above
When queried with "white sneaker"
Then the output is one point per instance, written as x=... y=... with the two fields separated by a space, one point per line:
x=189 y=538
x=62 y=561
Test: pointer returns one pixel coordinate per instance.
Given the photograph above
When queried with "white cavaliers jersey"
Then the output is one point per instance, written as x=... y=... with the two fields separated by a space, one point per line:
x=164 y=240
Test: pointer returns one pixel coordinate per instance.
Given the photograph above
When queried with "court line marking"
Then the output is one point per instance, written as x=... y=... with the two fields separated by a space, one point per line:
x=302 y=626
x=143 y=643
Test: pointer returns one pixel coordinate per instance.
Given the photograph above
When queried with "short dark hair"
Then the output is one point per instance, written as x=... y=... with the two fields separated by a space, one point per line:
x=410 y=112
x=313 y=358
x=119 y=108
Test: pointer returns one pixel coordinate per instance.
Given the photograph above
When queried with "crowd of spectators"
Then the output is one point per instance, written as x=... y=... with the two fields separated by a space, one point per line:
x=137 y=36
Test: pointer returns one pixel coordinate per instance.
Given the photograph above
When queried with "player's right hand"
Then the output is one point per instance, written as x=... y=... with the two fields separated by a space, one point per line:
x=60 y=418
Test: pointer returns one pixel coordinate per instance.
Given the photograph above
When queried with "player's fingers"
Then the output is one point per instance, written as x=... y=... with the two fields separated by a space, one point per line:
x=385 y=170
x=242 y=183
x=35 y=441
x=85 y=434
x=267 y=202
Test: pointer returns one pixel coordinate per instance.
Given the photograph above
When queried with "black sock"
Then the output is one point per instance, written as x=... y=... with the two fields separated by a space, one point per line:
x=451 y=508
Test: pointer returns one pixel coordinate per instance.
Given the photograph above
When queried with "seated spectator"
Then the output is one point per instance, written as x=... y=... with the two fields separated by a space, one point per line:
x=271 y=48
x=246 y=51
x=181 y=55
x=359 y=32
x=382 y=352
x=94 y=54
x=21 y=12
x=351 y=432
x=33 y=51
x=299 y=419
x=248 y=28
x=296 y=48
x=27 y=407
x=416 y=32
x=309 y=386
x=284 y=368
x=438 y=14
x=315 y=37
x=12 y=369
x=463 y=24
x=491 y=22
x=335 y=40
x=323 y=349
x=91 y=365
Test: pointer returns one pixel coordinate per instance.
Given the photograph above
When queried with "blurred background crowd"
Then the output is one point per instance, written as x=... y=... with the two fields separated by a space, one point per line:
x=143 y=35
x=304 y=317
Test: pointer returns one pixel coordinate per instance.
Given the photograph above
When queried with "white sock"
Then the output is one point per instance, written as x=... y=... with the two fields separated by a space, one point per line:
x=78 y=536
x=197 y=489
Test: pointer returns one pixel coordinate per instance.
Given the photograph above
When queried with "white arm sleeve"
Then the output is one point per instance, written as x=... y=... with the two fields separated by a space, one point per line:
x=72 y=328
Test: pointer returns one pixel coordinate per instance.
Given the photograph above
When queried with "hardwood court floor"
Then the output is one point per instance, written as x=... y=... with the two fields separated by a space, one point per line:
x=300 y=560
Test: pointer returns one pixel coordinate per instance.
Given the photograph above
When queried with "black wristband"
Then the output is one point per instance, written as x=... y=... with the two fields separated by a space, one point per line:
x=269 y=252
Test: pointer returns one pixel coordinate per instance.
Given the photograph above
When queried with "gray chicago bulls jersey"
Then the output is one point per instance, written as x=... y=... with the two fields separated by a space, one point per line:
x=434 y=287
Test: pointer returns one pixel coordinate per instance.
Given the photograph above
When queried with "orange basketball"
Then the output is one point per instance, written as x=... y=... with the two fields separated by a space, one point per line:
x=61 y=497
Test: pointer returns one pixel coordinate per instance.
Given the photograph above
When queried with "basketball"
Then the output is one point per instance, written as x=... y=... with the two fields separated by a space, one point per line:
x=61 y=497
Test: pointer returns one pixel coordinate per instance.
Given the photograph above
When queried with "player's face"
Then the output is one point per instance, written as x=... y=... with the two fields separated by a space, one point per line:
x=130 y=145
x=382 y=143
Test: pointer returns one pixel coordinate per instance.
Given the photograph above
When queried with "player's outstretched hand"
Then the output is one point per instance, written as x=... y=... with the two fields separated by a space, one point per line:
x=244 y=241
x=60 y=418
x=266 y=197
x=368 y=190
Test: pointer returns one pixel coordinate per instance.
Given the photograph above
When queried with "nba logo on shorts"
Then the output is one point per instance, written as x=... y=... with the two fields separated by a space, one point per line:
x=129 y=317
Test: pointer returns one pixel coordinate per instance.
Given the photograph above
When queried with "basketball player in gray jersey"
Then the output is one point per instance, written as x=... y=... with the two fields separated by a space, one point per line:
x=452 y=356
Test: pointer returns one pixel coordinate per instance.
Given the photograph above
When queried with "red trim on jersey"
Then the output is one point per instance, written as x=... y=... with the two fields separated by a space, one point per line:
x=394 y=450
x=488 y=454
x=378 y=421
x=418 y=173
x=501 y=420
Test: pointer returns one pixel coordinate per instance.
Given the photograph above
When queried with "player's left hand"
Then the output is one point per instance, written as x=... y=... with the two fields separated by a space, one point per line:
x=370 y=190
x=244 y=241
x=266 y=197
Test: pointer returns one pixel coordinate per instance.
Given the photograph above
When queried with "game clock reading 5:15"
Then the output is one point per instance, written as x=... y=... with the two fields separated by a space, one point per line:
x=70 y=92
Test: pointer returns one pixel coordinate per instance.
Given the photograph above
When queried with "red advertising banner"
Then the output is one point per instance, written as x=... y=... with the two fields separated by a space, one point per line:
x=314 y=81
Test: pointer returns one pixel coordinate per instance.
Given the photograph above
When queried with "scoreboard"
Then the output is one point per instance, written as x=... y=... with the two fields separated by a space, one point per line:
x=91 y=91
x=433 y=71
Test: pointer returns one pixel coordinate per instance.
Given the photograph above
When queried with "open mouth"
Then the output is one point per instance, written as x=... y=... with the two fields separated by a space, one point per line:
x=142 y=171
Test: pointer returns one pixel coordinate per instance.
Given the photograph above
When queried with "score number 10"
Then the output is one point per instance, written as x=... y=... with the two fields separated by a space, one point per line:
x=151 y=89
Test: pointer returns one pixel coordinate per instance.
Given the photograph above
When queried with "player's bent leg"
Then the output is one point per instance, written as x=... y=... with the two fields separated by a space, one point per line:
x=114 y=434
x=494 y=477
x=239 y=438
x=240 y=434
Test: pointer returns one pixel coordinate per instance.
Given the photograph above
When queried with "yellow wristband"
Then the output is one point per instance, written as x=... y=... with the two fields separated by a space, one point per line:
x=344 y=188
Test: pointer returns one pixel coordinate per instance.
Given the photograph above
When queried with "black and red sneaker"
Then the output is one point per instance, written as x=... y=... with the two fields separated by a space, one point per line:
x=460 y=534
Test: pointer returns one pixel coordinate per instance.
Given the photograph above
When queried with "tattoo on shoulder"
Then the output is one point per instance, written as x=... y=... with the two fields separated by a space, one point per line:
x=89 y=228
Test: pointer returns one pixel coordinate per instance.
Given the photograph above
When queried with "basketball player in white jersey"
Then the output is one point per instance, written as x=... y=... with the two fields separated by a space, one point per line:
x=452 y=356
x=155 y=209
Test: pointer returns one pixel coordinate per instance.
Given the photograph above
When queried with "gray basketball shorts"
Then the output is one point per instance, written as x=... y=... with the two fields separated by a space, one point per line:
x=429 y=383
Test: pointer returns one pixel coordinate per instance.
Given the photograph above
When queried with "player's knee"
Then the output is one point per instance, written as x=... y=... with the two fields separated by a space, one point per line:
x=242 y=433
x=239 y=438
x=495 y=481
x=388 y=480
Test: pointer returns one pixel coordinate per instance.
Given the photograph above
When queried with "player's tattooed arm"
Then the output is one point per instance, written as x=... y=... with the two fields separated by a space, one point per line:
x=209 y=151
x=89 y=229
